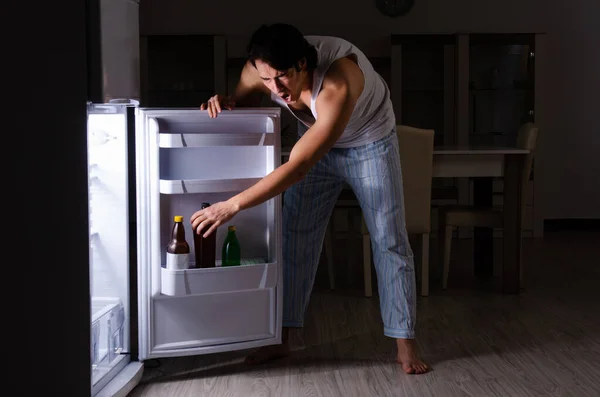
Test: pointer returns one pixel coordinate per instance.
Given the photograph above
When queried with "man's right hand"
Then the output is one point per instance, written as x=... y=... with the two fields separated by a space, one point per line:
x=216 y=103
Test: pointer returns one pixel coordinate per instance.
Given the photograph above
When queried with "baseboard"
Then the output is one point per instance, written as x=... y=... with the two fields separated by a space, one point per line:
x=586 y=225
x=525 y=233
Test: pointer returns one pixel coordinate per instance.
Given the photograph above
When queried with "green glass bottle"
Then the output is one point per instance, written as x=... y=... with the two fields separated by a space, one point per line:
x=231 y=249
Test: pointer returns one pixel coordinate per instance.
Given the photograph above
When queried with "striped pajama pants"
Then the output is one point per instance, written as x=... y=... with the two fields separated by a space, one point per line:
x=374 y=174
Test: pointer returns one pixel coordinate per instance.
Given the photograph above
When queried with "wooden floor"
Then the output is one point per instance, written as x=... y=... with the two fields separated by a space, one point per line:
x=545 y=342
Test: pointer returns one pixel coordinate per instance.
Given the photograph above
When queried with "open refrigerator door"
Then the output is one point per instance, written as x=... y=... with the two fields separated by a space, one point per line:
x=185 y=158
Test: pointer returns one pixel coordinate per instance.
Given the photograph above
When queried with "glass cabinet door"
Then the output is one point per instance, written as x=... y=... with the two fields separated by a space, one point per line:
x=423 y=83
x=501 y=87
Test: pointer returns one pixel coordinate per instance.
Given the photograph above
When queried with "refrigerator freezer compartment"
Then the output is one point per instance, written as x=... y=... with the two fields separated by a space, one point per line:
x=205 y=185
x=218 y=279
x=215 y=139
x=214 y=319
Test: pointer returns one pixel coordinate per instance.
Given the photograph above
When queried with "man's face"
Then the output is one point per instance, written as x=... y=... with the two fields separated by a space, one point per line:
x=287 y=84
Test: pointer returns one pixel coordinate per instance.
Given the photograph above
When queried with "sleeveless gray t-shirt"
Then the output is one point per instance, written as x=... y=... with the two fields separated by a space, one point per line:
x=373 y=117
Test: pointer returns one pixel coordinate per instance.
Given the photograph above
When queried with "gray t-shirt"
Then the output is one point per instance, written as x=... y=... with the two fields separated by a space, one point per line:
x=373 y=117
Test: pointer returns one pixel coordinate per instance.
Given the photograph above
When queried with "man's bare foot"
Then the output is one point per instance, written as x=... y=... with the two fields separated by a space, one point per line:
x=268 y=353
x=407 y=356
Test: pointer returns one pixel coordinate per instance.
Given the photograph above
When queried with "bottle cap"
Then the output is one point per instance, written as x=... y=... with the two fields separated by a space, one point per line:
x=231 y=228
x=178 y=218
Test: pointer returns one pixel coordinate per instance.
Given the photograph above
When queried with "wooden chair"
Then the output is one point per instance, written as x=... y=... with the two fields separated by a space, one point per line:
x=416 y=157
x=452 y=216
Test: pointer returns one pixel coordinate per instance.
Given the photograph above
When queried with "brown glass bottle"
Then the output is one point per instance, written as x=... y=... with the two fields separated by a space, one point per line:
x=178 y=250
x=205 y=248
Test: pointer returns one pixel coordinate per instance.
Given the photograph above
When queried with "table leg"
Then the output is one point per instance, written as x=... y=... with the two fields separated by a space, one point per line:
x=483 y=237
x=513 y=165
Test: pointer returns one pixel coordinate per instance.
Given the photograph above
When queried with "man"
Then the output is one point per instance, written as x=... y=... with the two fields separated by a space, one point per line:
x=331 y=87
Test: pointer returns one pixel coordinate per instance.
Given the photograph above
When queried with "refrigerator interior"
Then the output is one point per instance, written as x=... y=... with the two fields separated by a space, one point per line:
x=184 y=158
x=109 y=242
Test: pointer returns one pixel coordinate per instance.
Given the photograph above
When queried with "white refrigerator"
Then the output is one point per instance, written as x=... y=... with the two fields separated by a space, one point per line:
x=146 y=166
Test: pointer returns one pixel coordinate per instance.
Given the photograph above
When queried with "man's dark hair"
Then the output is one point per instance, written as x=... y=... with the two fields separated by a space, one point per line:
x=282 y=46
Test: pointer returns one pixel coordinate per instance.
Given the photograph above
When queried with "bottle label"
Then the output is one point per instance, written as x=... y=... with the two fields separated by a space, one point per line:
x=177 y=261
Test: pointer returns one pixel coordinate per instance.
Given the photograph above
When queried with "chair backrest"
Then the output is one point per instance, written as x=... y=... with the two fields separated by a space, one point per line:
x=416 y=158
x=527 y=139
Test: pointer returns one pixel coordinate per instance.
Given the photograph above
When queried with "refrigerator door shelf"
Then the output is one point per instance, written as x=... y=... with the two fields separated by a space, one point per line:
x=214 y=322
x=217 y=139
x=193 y=121
x=205 y=186
x=218 y=279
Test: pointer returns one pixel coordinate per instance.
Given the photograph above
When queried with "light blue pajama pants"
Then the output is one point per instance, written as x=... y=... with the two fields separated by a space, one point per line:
x=373 y=172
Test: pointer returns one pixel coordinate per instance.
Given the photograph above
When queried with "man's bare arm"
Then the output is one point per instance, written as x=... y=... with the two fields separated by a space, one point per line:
x=250 y=88
x=335 y=104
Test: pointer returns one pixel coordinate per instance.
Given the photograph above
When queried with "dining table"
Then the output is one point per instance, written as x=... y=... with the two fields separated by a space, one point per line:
x=482 y=164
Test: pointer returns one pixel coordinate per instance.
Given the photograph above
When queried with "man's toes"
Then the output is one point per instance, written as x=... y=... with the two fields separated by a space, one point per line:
x=415 y=368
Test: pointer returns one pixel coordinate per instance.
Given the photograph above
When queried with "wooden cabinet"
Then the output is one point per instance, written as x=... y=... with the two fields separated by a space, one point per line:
x=182 y=70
